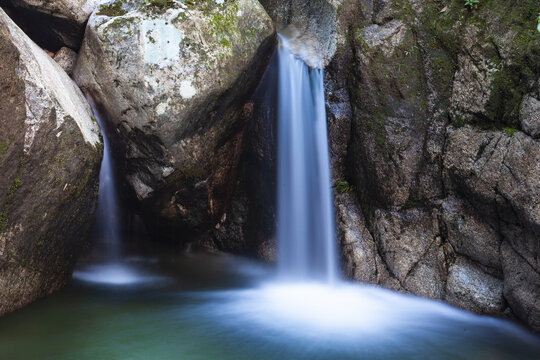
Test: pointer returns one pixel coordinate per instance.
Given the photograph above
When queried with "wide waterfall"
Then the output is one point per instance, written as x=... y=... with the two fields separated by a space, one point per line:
x=306 y=233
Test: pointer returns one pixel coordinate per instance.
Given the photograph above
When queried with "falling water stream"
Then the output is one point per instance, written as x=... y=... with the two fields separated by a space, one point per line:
x=219 y=307
x=306 y=235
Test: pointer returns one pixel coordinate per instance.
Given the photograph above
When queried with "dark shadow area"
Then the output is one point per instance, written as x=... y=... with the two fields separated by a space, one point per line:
x=49 y=32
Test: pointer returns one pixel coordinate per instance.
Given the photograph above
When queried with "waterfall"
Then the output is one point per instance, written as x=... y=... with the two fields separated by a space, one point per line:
x=106 y=227
x=305 y=228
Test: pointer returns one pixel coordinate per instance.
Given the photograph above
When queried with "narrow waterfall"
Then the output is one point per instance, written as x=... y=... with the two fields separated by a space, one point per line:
x=106 y=227
x=306 y=231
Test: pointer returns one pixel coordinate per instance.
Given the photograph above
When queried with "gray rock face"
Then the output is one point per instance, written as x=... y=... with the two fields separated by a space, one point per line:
x=50 y=152
x=176 y=79
x=442 y=149
x=66 y=57
x=471 y=288
x=309 y=24
x=530 y=116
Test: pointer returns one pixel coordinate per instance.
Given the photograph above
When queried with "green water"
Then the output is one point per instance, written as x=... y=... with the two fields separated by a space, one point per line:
x=218 y=307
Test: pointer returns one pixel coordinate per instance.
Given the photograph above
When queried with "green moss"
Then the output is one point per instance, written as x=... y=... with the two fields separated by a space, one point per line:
x=159 y=6
x=3 y=147
x=343 y=186
x=14 y=186
x=458 y=122
x=409 y=204
x=3 y=220
x=114 y=9
x=510 y=131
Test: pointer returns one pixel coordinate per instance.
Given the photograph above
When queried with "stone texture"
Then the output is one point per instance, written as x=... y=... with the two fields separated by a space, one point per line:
x=411 y=247
x=65 y=57
x=50 y=153
x=360 y=259
x=176 y=80
x=530 y=116
x=521 y=286
x=309 y=25
x=471 y=288
x=469 y=235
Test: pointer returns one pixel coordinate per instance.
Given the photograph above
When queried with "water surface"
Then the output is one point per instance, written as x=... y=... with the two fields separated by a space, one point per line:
x=222 y=307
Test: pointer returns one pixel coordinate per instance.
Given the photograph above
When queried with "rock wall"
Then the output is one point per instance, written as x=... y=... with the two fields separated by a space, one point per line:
x=50 y=151
x=438 y=104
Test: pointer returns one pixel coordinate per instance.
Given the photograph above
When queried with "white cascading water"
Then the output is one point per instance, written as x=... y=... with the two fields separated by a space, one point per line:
x=306 y=232
x=112 y=268
x=108 y=213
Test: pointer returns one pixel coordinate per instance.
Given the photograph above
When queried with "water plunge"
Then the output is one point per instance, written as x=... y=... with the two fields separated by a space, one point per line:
x=306 y=233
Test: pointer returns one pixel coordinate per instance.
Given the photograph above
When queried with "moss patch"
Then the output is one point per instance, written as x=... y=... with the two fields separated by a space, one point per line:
x=114 y=9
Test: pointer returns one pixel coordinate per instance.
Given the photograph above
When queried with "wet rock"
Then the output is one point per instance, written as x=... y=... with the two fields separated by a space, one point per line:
x=50 y=152
x=66 y=57
x=469 y=287
x=176 y=79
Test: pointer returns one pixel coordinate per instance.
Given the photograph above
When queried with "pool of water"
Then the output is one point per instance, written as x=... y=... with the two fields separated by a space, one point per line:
x=222 y=307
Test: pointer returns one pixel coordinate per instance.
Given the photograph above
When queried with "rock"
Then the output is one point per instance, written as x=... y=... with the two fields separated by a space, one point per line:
x=521 y=286
x=175 y=79
x=50 y=152
x=443 y=149
x=387 y=127
x=310 y=26
x=530 y=116
x=410 y=245
x=66 y=57
x=54 y=23
x=359 y=257
x=469 y=235
x=470 y=288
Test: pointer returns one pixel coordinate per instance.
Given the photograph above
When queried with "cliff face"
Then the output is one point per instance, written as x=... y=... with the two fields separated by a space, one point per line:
x=433 y=117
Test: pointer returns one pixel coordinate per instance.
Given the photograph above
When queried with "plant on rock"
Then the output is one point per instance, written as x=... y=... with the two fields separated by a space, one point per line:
x=472 y=3
x=343 y=186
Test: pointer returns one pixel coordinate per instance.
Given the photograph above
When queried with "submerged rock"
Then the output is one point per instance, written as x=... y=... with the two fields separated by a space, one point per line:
x=50 y=150
x=175 y=79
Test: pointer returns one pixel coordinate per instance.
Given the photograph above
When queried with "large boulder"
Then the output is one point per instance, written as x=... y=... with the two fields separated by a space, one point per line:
x=50 y=151
x=53 y=23
x=175 y=79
